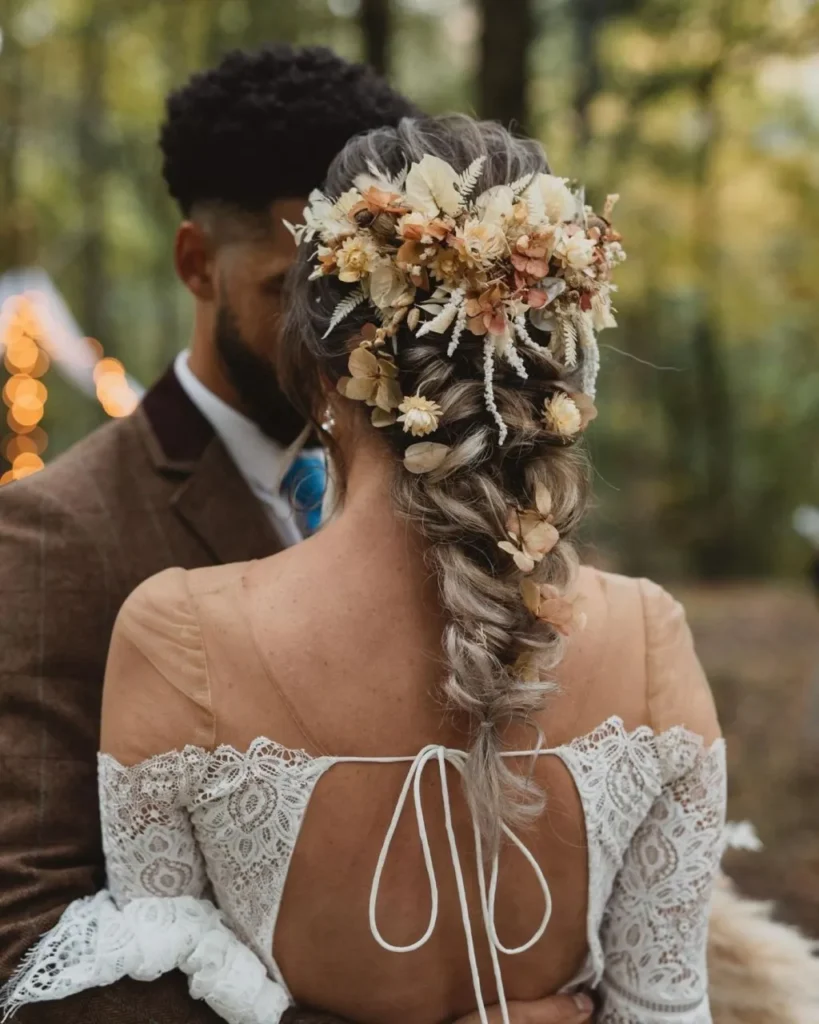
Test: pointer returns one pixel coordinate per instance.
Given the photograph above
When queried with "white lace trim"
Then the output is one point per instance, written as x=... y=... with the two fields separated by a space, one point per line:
x=95 y=944
x=653 y=808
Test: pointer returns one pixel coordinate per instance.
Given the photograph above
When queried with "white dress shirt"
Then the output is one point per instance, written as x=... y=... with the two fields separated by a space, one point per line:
x=262 y=461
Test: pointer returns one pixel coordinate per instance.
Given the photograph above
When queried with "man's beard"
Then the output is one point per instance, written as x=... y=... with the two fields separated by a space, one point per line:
x=255 y=380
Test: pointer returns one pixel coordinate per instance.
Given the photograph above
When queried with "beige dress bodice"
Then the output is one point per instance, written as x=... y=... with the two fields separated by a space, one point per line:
x=244 y=763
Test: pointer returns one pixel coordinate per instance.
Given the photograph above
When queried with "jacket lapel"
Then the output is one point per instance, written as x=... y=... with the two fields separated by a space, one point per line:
x=212 y=498
x=219 y=507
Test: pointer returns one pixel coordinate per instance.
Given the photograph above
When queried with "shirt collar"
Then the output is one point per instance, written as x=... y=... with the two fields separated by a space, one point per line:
x=262 y=461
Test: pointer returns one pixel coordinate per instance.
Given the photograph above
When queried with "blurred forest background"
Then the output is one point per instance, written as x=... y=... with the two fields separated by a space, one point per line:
x=702 y=114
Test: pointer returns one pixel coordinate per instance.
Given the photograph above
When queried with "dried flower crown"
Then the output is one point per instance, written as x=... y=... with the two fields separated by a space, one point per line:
x=525 y=253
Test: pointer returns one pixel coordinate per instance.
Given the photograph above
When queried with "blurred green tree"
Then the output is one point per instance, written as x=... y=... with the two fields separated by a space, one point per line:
x=703 y=114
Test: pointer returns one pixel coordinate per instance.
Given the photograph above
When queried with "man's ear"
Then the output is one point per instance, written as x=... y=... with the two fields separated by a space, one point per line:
x=193 y=259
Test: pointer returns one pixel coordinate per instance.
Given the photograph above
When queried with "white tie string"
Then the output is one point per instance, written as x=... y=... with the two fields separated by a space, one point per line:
x=457 y=758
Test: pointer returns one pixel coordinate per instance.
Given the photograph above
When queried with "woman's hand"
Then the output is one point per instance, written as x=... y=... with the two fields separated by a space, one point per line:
x=552 y=1010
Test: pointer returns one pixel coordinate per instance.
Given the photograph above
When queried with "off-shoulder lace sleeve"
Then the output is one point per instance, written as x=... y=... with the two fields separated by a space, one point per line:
x=656 y=925
x=153 y=917
x=149 y=846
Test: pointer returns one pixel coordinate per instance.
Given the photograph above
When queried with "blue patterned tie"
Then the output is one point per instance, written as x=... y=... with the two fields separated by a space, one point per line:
x=304 y=485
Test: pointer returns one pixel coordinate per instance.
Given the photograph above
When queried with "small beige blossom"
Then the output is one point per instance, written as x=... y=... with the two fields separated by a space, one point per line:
x=576 y=249
x=448 y=264
x=558 y=199
x=547 y=603
x=562 y=415
x=531 y=533
x=419 y=415
x=416 y=227
x=568 y=414
x=480 y=243
x=356 y=258
x=372 y=381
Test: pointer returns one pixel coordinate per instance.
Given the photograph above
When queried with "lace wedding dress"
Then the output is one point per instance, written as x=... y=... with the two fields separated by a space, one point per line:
x=198 y=846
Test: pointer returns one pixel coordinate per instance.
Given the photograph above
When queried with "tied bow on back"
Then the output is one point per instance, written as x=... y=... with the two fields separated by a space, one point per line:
x=457 y=758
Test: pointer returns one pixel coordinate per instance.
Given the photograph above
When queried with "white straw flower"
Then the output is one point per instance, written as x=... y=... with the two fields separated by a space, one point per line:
x=576 y=249
x=356 y=258
x=481 y=243
x=559 y=201
x=568 y=415
x=419 y=415
x=562 y=416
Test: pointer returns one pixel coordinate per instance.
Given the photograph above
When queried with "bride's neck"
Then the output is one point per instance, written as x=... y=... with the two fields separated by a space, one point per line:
x=369 y=469
x=367 y=522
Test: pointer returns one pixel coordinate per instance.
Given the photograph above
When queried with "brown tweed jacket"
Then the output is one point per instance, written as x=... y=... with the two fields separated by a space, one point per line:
x=138 y=495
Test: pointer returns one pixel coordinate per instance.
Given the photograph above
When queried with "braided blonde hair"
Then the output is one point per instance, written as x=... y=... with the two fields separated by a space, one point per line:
x=491 y=640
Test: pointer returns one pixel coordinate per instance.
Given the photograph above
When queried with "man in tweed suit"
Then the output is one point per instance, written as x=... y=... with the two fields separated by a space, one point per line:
x=188 y=480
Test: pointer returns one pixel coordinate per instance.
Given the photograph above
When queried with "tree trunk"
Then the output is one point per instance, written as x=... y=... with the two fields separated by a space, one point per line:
x=11 y=229
x=508 y=29
x=718 y=551
x=92 y=153
x=590 y=16
x=375 y=19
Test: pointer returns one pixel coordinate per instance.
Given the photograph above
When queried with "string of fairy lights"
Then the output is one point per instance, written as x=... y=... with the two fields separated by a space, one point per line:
x=25 y=394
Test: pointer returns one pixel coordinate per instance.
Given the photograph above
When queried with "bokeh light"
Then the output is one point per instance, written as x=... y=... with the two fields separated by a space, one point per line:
x=114 y=392
x=23 y=393
x=25 y=464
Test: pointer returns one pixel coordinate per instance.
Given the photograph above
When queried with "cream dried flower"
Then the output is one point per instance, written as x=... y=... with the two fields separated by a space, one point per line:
x=576 y=249
x=559 y=201
x=356 y=258
x=562 y=416
x=567 y=415
x=481 y=243
x=417 y=227
x=419 y=415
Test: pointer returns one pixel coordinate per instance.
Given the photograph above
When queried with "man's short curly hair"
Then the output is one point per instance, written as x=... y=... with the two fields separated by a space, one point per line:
x=265 y=125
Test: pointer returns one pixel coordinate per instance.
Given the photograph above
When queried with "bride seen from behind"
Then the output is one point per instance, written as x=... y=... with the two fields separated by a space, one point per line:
x=289 y=736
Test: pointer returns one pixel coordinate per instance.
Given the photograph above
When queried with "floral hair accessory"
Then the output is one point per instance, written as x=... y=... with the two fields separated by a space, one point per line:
x=424 y=248
x=531 y=532
x=372 y=380
x=568 y=414
x=425 y=457
x=419 y=415
x=546 y=603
